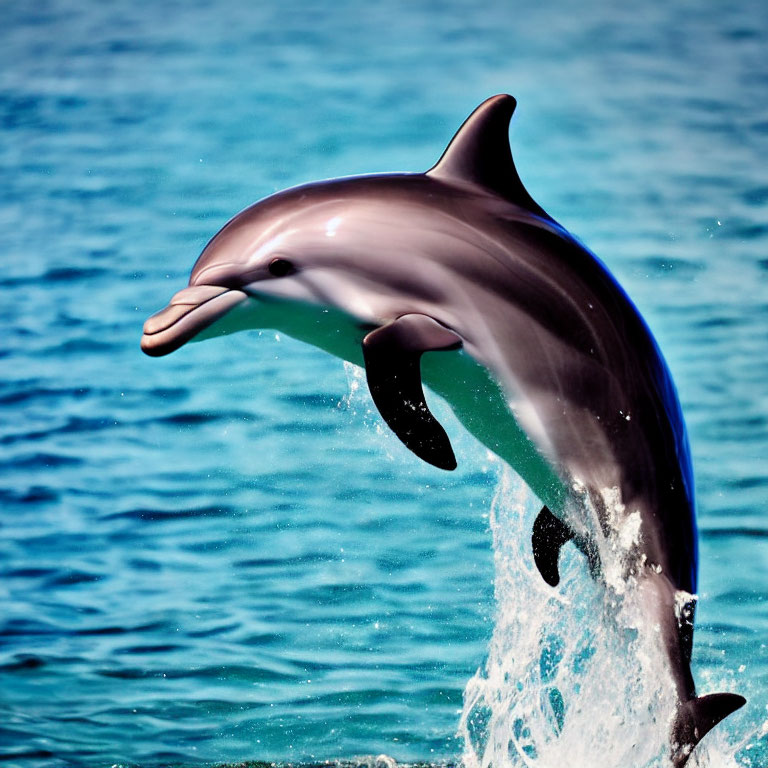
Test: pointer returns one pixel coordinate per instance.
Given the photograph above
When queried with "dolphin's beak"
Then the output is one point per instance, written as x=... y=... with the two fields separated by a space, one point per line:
x=190 y=311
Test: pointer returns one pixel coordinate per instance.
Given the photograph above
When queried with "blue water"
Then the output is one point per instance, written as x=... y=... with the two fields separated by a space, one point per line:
x=223 y=555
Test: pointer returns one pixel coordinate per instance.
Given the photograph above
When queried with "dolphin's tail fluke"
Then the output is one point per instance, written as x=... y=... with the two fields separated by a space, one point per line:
x=698 y=716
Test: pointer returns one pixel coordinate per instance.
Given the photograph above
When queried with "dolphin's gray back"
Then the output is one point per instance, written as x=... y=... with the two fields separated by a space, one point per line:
x=582 y=372
x=572 y=350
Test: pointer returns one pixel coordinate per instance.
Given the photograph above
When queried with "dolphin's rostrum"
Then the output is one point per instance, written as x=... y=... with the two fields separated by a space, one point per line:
x=458 y=277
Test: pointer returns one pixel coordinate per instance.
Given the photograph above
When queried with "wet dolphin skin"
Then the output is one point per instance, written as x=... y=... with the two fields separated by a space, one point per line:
x=457 y=278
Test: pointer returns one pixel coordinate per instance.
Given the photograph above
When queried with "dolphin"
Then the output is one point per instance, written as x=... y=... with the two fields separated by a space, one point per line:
x=458 y=279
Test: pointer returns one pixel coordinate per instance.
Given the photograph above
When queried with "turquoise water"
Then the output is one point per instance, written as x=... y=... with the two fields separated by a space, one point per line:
x=223 y=555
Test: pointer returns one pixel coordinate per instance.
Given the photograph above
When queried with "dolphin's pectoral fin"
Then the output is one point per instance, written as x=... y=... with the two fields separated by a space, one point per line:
x=392 y=357
x=549 y=536
x=697 y=717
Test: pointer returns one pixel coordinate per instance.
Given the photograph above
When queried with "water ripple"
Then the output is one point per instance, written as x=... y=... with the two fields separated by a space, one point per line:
x=203 y=557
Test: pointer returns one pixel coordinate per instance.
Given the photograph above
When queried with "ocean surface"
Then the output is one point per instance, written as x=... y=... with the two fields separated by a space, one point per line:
x=223 y=555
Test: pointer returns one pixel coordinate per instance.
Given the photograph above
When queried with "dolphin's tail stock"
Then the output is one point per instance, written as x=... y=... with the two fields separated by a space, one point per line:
x=696 y=717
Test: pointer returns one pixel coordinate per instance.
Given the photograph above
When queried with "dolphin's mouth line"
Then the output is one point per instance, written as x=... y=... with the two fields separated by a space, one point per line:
x=189 y=312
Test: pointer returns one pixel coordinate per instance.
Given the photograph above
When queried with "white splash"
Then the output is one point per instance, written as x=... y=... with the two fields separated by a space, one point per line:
x=576 y=675
x=355 y=381
x=357 y=401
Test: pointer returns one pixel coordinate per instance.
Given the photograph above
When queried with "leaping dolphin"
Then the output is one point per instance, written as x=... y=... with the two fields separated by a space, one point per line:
x=542 y=355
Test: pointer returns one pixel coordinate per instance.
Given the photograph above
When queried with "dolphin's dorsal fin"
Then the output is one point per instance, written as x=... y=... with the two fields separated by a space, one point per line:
x=479 y=153
x=697 y=717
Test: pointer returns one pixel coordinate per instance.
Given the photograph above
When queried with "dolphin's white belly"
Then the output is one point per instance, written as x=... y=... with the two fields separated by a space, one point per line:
x=481 y=406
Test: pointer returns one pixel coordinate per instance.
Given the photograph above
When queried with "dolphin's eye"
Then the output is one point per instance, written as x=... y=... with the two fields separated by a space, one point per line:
x=280 y=267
